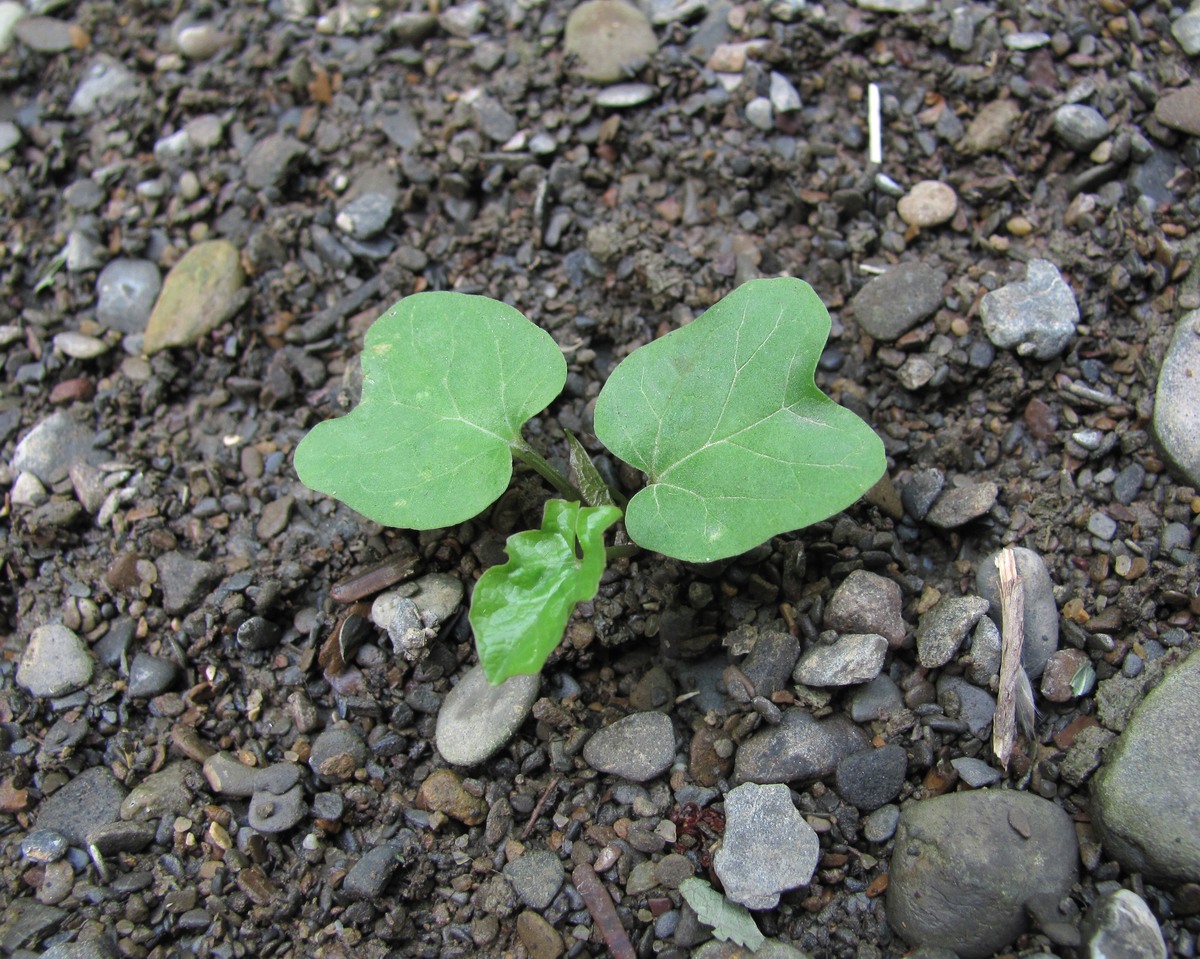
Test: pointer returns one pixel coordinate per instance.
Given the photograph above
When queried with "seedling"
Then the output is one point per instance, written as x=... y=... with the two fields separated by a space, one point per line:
x=723 y=417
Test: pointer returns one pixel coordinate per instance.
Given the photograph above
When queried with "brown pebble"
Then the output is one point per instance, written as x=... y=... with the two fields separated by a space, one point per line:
x=373 y=580
x=539 y=937
x=275 y=516
x=443 y=792
x=68 y=391
x=1061 y=668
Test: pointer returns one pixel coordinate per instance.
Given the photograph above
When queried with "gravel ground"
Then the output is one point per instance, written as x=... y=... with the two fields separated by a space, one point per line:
x=209 y=747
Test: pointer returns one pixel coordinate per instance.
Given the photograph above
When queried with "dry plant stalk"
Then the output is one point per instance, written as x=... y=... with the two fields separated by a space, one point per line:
x=1014 y=700
x=599 y=903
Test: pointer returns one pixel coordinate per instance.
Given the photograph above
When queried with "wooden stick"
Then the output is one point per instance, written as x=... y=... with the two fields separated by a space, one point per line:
x=599 y=903
x=537 y=809
x=1012 y=639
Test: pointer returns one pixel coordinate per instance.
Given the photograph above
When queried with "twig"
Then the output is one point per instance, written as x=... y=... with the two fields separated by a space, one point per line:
x=537 y=809
x=1014 y=684
x=874 y=126
x=599 y=903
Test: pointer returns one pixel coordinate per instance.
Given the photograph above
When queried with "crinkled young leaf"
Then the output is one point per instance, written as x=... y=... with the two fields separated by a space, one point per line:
x=730 y=922
x=520 y=609
x=591 y=484
x=738 y=441
x=448 y=381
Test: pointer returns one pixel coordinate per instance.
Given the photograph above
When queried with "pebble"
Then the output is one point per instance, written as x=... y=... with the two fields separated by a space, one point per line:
x=1186 y=30
x=871 y=777
x=731 y=57
x=942 y=630
x=10 y=135
x=609 y=39
x=1036 y=316
x=106 y=84
x=962 y=504
x=277 y=812
x=536 y=877
x=929 y=203
x=184 y=581
x=783 y=95
x=199 y=41
x=43 y=845
x=992 y=127
x=975 y=772
x=167 y=792
x=1080 y=127
x=57 y=880
x=1059 y=673
x=798 y=748
x=151 y=676
x=880 y=825
x=637 y=747
x=876 y=701
x=921 y=492
x=28 y=491
x=90 y=800
x=231 y=778
x=368 y=878
x=621 y=96
x=770 y=663
x=412 y=613
x=11 y=13
x=760 y=115
x=47 y=34
x=463 y=19
x=894 y=302
x=1102 y=526
x=1041 y=610
x=854 y=658
x=365 y=216
x=1180 y=110
x=767 y=849
x=655 y=690
x=866 y=602
x=55 y=662
x=916 y=372
x=443 y=791
x=1144 y=796
x=125 y=293
x=1120 y=925
x=540 y=939
x=492 y=119
x=258 y=633
x=971 y=705
x=1177 y=400
x=51 y=448
x=477 y=719
x=271 y=159
x=337 y=753
x=893 y=6
x=1006 y=847
x=199 y=294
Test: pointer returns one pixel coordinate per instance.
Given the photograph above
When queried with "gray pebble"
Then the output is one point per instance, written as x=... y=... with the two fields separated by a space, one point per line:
x=962 y=29
x=400 y=125
x=536 y=877
x=125 y=294
x=866 y=602
x=985 y=653
x=337 y=753
x=942 y=629
x=367 y=215
x=493 y=121
x=960 y=505
x=975 y=772
x=1102 y=526
x=1128 y=483
x=231 y=778
x=854 y=658
x=55 y=662
x=274 y=813
x=1041 y=610
x=168 y=792
x=184 y=581
x=1121 y=926
x=51 y=448
x=784 y=96
x=368 y=877
x=921 y=492
x=477 y=719
x=328 y=806
x=655 y=690
x=151 y=676
x=1080 y=127
x=1186 y=31
x=894 y=6
x=1177 y=400
x=622 y=96
x=44 y=845
x=876 y=701
x=976 y=707
x=770 y=663
x=258 y=633
x=1028 y=40
x=894 y=302
x=271 y=159
x=880 y=825
x=130 y=837
x=101 y=947
x=90 y=800
x=871 y=777
x=638 y=747
x=1035 y=316
x=10 y=135
x=463 y=19
x=760 y=114
x=106 y=84
x=799 y=748
x=768 y=848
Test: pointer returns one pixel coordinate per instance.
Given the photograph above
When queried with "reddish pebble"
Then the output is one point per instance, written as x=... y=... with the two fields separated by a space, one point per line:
x=68 y=391
x=1060 y=670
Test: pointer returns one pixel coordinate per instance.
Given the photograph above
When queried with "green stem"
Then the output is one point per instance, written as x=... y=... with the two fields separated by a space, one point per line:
x=526 y=454
x=627 y=551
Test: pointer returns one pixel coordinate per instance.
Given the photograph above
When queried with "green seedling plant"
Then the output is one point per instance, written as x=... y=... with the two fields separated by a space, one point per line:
x=723 y=416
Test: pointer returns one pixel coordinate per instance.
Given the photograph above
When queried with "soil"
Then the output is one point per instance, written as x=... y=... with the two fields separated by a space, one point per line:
x=621 y=225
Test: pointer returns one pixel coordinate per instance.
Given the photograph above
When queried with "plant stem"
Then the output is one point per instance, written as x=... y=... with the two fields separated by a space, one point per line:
x=627 y=551
x=535 y=461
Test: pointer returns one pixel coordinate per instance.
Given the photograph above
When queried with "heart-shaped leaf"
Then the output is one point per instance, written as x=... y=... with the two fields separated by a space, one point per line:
x=520 y=609
x=724 y=417
x=448 y=381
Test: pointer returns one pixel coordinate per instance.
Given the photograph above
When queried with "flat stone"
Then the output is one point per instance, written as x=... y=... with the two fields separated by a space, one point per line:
x=1186 y=31
x=880 y=825
x=871 y=777
x=610 y=40
x=960 y=505
x=866 y=602
x=894 y=302
x=51 y=448
x=622 y=96
x=921 y=492
x=184 y=581
x=799 y=748
x=44 y=845
x=1121 y=926
x=55 y=662
x=876 y=701
x=101 y=947
x=26 y=921
x=231 y=778
x=272 y=813
x=942 y=630
x=151 y=676
x=637 y=747
x=477 y=719
x=768 y=848
x=893 y=6
x=337 y=753
x=992 y=127
x=929 y=203
x=367 y=215
x=106 y=84
x=125 y=293
x=168 y=792
x=1035 y=316
x=1177 y=400
x=974 y=706
x=48 y=34
x=1080 y=127
x=271 y=159
x=770 y=663
x=1180 y=110
x=975 y=772
x=492 y=119
x=1041 y=610
x=368 y=878
x=90 y=800
x=536 y=877
x=540 y=939
x=655 y=690
x=443 y=791
x=199 y=294
x=854 y=658
x=966 y=864
x=1144 y=797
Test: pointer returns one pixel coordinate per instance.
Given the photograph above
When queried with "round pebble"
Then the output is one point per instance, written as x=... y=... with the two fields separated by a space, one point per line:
x=637 y=747
x=55 y=662
x=337 y=753
x=1080 y=127
x=477 y=719
x=928 y=203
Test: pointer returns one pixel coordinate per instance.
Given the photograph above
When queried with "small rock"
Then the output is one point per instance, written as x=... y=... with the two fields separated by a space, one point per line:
x=537 y=876
x=1059 y=673
x=151 y=676
x=1036 y=316
x=769 y=664
x=337 y=753
x=1121 y=926
x=443 y=791
x=540 y=939
x=921 y=492
x=1186 y=30
x=877 y=701
x=871 y=777
x=271 y=159
x=1080 y=127
x=992 y=127
x=275 y=813
x=962 y=504
x=893 y=6
x=731 y=57
x=463 y=19
x=167 y=792
x=184 y=581
x=894 y=302
x=43 y=845
x=985 y=653
x=106 y=84
x=975 y=772
x=768 y=848
x=90 y=800
x=1180 y=110
x=655 y=690
x=854 y=658
x=199 y=294
x=10 y=136
x=929 y=203
x=199 y=41
x=866 y=602
x=28 y=491
x=47 y=34
x=413 y=612
x=880 y=825
x=970 y=704
x=368 y=878
x=610 y=40
x=943 y=629
x=11 y=13
x=367 y=215
x=1177 y=400
x=57 y=880
x=492 y=120
x=55 y=662
x=621 y=96
x=760 y=114
x=231 y=778
x=1041 y=610
x=477 y=719
x=638 y=747
x=799 y=748
x=51 y=448
x=784 y=96
x=125 y=294
x=258 y=633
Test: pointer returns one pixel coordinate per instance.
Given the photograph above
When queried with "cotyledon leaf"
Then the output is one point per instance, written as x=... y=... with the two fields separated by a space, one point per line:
x=448 y=381
x=724 y=417
x=520 y=608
